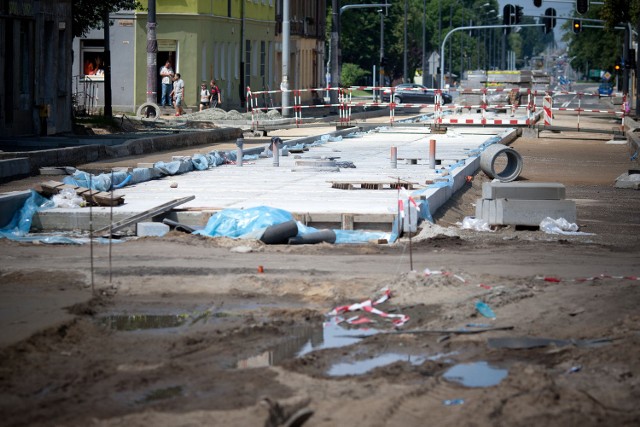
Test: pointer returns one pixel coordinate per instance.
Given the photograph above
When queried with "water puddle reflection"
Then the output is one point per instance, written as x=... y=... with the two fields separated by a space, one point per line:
x=363 y=366
x=304 y=340
x=477 y=374
x=123 y=322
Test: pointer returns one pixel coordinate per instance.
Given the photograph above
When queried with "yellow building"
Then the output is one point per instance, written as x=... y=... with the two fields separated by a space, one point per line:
x=236 y=42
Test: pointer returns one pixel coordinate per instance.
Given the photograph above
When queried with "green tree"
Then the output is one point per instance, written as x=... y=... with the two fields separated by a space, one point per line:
x=89 y=14
x=352 y=75
x=620 y=11
x=593 y=48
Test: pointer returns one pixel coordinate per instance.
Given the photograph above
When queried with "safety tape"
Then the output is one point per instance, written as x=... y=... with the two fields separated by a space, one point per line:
x=369 y=307
x=553 y=279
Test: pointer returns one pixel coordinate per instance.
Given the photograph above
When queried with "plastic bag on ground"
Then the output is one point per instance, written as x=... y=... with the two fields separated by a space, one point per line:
x=560 y=226
x=477 y=224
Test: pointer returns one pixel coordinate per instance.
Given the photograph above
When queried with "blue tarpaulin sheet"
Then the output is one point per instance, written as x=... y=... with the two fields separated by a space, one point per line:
x=252 y=222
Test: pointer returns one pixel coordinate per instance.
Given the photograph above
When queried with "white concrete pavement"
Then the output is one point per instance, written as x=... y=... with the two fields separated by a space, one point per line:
x=308 y=192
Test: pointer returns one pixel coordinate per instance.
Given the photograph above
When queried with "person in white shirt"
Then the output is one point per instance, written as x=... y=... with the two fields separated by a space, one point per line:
x=204 y=96
x=178 y=94
x=166 y=72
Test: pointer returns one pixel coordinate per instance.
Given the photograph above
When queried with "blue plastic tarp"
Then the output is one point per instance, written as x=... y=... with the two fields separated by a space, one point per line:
x=252 y=222
x=244 y=223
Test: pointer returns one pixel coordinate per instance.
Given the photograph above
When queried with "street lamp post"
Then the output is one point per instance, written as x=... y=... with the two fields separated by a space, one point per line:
x=382 y=82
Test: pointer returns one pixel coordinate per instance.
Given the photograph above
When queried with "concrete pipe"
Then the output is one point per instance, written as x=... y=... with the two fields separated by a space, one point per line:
x=148 y=111
x=497 y=152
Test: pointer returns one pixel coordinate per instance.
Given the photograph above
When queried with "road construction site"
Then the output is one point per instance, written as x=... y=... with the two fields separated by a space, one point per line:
x=513 y=326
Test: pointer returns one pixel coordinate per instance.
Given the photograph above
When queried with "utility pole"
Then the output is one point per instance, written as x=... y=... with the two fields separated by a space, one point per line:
x=108 y=110
x=152 y=51
x=335 y=55
x=284 y=86
x=382 y=64
x=424 y=44
x=405 y=77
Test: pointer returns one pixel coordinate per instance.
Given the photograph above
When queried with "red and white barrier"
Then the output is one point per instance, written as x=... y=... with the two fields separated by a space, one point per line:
x=547 y=107
x=346 y=103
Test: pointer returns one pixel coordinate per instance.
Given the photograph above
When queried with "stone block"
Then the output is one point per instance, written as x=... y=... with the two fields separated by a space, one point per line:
x=523 y=190
x=528 y=212
x=156 y=229
x=627 y=180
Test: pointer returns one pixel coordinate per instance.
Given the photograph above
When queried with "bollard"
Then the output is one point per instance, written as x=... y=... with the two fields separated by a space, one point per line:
x=240 y=154
x=432 y=154
x=275 y=148
x=394 y=157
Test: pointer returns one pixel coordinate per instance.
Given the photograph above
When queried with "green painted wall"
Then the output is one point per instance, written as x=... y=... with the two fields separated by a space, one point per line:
x=202 y=30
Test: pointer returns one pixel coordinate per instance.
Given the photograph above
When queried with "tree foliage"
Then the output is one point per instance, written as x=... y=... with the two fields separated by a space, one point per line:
x=352 y=74
x=598 y=48
x=89 y=14
x=360 y=35
x=620 y=12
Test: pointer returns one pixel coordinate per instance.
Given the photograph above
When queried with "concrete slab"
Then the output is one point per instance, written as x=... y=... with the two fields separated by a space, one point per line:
x=307 y=194
x=524 y=212
x=523 y=190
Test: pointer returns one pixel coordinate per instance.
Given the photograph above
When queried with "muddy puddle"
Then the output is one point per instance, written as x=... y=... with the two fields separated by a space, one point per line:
x=297 y=338
x=475 y=374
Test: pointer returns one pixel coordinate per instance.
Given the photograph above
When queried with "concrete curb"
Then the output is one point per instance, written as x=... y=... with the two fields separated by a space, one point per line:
x=73 y=156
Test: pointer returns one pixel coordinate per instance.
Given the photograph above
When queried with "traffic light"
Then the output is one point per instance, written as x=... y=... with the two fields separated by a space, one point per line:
x=582 y=6
x=519 y=14
x=508 y=14
x=618 y=66
x=631 y=59
x=549 y=20
x=537 y=3
x=577 y=26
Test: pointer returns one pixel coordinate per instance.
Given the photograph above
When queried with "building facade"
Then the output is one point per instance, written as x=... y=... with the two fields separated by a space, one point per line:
x=35 y=58
x=238 y=43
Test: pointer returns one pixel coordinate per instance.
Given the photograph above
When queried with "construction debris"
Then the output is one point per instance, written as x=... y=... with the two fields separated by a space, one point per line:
x=95 y=198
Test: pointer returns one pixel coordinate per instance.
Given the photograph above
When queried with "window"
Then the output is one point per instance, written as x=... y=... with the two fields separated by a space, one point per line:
x=247 y=65
x=91 y=54
x=203 y=69
x=262 y=59
x=236 y=61
x=222 y=61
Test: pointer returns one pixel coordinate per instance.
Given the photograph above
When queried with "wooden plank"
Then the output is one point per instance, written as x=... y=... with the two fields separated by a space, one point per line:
x=371 y=185
x=49 y=188
x=101 y=198
x=144 y=215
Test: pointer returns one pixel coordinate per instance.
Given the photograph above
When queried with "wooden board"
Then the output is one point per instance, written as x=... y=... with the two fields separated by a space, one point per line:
x=96 y=198
x=371 y=185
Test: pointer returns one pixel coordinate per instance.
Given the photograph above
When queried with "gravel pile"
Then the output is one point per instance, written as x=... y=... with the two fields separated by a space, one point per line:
x=216 y=114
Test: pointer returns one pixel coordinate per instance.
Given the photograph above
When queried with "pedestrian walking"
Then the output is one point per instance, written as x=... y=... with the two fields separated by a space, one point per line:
x=216 y=95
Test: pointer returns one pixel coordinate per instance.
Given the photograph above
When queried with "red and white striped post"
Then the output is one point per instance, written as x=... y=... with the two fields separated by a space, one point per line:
x=547 y=104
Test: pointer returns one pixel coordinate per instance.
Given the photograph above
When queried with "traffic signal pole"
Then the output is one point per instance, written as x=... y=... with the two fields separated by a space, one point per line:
x=471 y=27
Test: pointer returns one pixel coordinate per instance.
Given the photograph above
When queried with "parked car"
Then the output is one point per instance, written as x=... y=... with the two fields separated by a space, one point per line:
x=411 y=93
x=605 y=89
